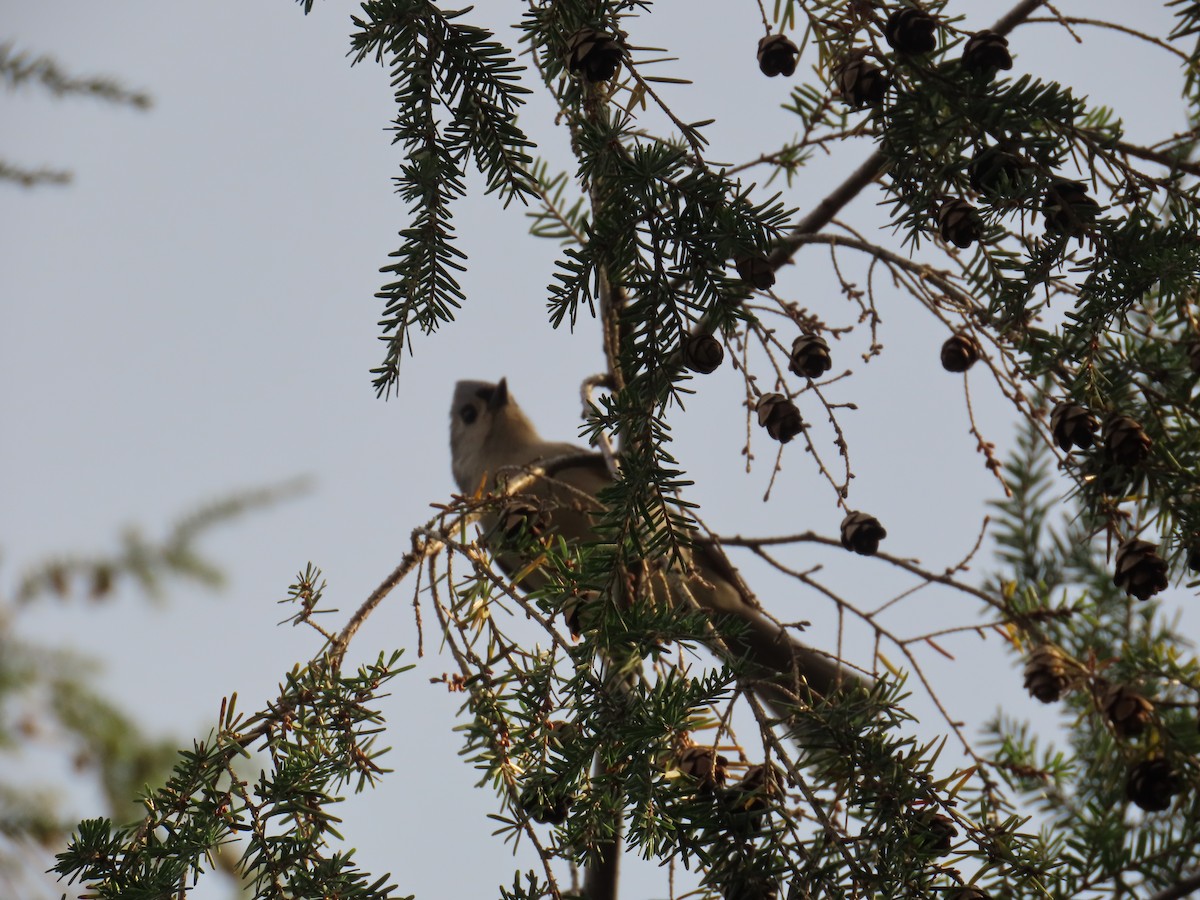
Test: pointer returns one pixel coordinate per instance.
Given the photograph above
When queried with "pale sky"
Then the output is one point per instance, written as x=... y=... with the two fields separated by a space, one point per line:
x=195 y=314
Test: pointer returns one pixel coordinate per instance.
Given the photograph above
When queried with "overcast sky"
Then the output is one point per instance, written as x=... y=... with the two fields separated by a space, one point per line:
x=195 y=314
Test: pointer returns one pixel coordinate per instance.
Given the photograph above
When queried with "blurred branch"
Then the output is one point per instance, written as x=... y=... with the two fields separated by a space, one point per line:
x=147 y=563
x=18 y=69
x=33 y=177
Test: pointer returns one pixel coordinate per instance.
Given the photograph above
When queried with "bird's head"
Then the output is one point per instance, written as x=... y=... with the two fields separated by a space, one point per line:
x=488 y=430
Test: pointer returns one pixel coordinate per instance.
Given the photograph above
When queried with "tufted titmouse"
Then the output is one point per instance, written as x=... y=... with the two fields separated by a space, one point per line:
x=493 y=443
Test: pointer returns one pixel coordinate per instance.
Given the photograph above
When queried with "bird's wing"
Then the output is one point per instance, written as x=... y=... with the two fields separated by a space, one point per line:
x=567 y=483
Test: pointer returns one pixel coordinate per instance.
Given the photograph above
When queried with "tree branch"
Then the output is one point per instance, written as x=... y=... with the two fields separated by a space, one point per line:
x=874 y=166
x=1182 y=889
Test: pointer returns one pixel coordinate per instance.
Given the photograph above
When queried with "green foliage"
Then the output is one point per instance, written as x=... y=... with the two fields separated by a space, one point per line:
x=1074 y=269
x=440 y=65
x=319 y=734
x=556 y=219
x=1080 y=280
x=1118 y=302
x=1062 y=592
x=851 y=794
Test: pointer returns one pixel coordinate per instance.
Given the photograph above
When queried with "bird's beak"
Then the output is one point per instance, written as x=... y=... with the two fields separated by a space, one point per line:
x=499 y=398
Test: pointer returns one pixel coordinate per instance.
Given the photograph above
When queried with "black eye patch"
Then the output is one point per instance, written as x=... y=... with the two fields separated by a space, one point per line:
x=468 y=413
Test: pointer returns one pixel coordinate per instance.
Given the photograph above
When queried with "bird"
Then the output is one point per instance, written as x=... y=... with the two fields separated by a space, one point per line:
x=495 y=447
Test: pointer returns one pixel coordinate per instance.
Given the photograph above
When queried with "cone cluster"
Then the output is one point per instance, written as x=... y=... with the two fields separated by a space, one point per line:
x=938 y=833
x=1139 y=570
x=579 y=611
x=1193 y=354
x=549 y=807
x=744 y=803
x=750 y=885
x=754 y=792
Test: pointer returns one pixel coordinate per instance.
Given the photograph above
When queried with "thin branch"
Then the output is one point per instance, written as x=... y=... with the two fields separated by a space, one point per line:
x=907 y=565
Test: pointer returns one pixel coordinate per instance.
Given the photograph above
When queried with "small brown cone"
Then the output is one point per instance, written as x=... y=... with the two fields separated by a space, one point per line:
x=594 y=54
x=861 y=533
x=1152 y=783
x=1193 y=555
x=810 y=356
x=102 y=581
x=986 y=51
x=966 y=892
x=579 y=611
x=1139 y=570
x=994 y=173
x=750 y=885
x=702 y=353
x=751 y=795
x=777 y=55
x=862 y=83
x=704 y=765
x=1125 y=441
x=960 y=352
x=1068 y=209
x=958 y=223
x=1073 y=425
x=561 y=733
x=1126 y=710
x=911 y=31
x=780 y=416
x=522 y=517
x=1048 y=673
x=937 y=832
x=755 y=270
x=546 y=805
x=759 y=785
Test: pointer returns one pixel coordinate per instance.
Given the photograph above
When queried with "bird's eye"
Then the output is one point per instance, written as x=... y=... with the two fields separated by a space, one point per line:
x=468 y=413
